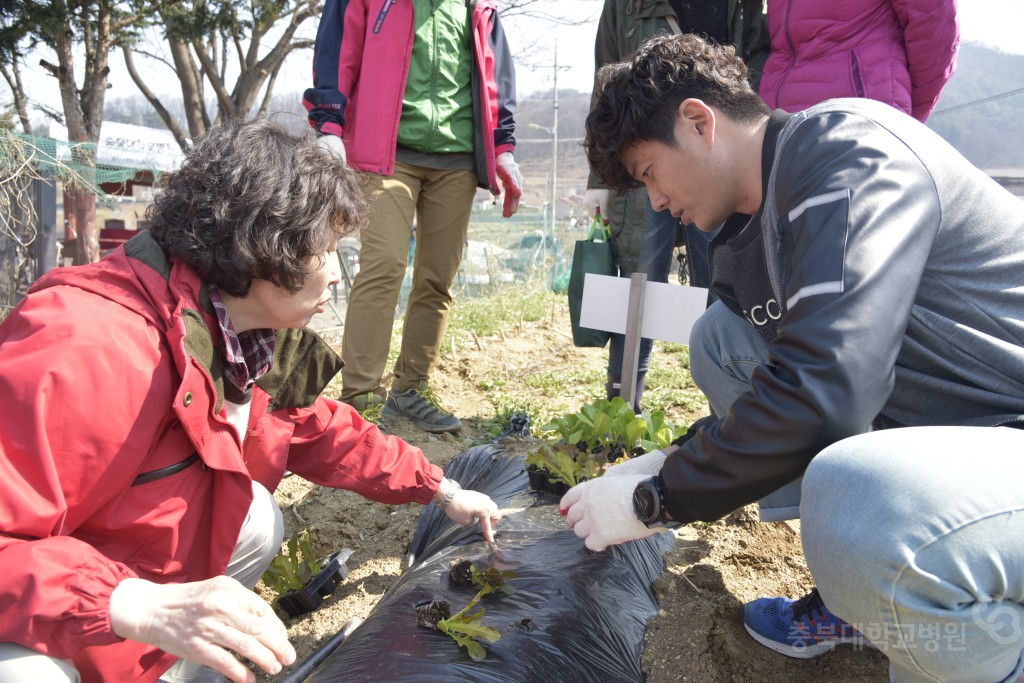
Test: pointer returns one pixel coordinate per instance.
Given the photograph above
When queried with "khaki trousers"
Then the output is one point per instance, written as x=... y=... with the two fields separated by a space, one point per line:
x=440 y=203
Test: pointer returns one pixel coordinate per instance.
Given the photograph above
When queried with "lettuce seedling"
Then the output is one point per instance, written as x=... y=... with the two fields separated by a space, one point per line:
x=463 y=627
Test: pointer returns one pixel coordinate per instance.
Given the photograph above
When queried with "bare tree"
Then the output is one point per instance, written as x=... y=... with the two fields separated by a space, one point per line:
x=15 y=41
x=91 y=28
x=211 y=41
x=534 y=50
x=208 y=41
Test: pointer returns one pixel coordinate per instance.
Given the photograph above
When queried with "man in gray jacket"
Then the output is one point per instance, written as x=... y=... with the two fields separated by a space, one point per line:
x=643 y=239
x=869 y=338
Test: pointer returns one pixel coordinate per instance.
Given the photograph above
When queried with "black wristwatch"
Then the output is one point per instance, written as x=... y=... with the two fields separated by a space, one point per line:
x=649 y=505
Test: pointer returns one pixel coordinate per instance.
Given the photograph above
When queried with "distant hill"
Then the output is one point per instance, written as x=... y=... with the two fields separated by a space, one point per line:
x=980 y=110
x=979 y=113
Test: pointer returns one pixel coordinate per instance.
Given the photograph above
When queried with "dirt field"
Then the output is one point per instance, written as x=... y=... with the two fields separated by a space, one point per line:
x=711 y=572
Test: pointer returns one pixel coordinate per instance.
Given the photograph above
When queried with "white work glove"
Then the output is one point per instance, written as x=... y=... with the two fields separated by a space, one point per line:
x=203 y=622
x=465 y=507
x=511 y=182
x=648 y=464
x=600 y=511
x=595 y=203
x=334 y=145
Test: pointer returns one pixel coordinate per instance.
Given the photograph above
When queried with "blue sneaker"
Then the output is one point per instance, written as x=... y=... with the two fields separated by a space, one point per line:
x=801 y=628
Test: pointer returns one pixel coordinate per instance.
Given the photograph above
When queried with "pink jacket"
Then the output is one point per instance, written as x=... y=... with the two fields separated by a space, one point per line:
x=901 y=52
x=116 y=459
x=360 y=63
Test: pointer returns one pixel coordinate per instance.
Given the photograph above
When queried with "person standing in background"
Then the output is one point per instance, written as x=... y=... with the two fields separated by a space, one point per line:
x=420 y=96
x=642 y=238
x=901 y=52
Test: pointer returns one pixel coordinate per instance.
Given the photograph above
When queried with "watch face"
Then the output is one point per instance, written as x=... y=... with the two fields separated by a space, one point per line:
x=645 y=504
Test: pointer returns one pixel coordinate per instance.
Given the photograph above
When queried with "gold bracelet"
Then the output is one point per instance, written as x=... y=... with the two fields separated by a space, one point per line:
x=453 y=488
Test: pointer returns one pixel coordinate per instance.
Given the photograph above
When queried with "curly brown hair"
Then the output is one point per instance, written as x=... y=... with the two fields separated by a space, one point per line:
x=255 y=201
x=637 y=100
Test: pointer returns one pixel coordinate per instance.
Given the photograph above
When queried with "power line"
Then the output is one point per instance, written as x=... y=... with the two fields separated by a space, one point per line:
x=975 y=103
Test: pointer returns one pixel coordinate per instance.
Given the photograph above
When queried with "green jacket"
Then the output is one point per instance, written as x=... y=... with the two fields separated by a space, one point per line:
x=437 y=110
x=624 y=26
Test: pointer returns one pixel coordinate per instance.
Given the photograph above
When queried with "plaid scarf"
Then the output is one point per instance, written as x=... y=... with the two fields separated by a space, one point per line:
x=247 y=356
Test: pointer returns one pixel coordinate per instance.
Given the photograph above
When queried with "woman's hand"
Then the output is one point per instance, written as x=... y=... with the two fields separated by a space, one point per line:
x=203 y=622
x=464 y=507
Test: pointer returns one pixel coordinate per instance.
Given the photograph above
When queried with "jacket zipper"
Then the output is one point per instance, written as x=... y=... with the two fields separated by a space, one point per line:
x=858 y=84
x=379 y=23
x=164 y=472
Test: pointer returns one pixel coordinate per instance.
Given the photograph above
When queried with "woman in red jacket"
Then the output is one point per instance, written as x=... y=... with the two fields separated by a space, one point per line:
x=153 y=400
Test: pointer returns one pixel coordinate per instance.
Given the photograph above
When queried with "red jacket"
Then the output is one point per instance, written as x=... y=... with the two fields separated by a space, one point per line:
x=360 y=63
x=110 y=371
x=901 y=52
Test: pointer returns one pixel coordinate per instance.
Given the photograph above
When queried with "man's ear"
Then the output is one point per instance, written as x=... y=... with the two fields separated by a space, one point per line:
x=697 y=116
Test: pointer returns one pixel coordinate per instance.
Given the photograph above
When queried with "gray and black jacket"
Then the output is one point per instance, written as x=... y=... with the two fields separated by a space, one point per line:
x=890 y=280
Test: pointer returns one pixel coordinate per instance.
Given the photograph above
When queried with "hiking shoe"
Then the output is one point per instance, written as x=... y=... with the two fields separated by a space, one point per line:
x=801 y=628
x=364 y=402
x=421 y=408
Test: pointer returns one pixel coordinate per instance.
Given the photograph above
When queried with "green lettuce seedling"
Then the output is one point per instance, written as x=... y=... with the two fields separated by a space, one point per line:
x=463 y=627
x=294 y=566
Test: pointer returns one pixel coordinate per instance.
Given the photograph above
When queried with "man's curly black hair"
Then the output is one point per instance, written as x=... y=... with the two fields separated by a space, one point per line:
x=254 y=201
x=637 y=100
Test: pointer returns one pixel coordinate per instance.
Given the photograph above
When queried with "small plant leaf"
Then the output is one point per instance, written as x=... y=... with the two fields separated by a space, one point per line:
x=474 y=649
x=294 y=566
x=465 y=630
x=494 y=579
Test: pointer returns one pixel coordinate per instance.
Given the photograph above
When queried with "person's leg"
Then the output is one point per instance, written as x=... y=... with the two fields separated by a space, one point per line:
x=697 y=255
x=259 y=542
x=916 y=537
x=626 y=218
x=260 y=539
x=724 y=351
x=383 y=254
x=442 y=220
x=19 y=664
x=654 y=258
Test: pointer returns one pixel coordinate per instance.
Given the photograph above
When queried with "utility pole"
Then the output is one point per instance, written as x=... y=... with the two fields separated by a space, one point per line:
x=554 y=170
x=551 y=202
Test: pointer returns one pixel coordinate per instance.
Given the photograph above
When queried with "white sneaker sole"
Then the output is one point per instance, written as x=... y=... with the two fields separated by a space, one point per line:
x=806 y=651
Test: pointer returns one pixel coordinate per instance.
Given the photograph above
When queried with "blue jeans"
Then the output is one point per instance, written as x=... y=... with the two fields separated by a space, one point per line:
x=697 y=253
x=724 y=350
x=914 y=535
x=655 y=261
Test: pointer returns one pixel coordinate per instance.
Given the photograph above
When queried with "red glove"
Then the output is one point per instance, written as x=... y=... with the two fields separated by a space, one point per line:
x=595 y=203
x=511 y=182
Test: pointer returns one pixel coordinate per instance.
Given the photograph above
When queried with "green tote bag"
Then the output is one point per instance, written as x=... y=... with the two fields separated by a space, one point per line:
x=592 y=255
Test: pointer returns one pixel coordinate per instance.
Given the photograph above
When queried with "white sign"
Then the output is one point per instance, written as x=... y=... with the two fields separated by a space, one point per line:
x=125 y=145
x=669 y=310
x=129 y=146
